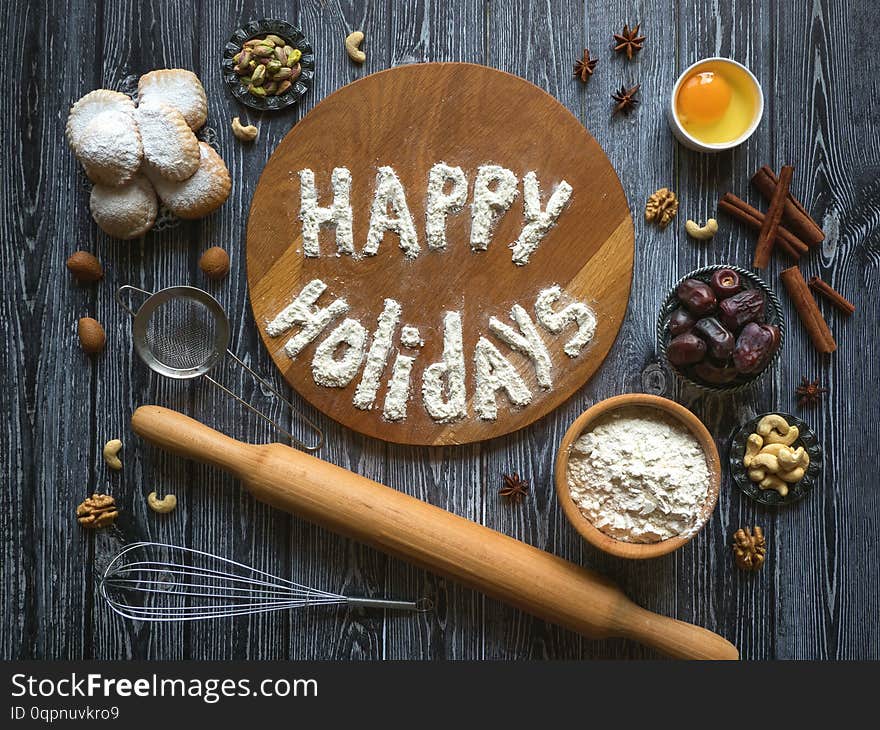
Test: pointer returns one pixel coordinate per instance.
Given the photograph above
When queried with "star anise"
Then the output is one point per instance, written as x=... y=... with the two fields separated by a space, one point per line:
x=514 y=487
x=809 y=393
x=625 y=99
x=583 y=69
x=629 y=41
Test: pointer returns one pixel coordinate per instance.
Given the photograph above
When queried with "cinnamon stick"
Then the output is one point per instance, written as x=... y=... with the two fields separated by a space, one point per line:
x=745 y=213
x=832 y=295
x=796 y=218
x=767 y=236
x=808 y=310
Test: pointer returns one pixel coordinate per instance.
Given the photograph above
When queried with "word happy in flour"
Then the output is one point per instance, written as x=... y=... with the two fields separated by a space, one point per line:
x=495 y=189
x=354 y=352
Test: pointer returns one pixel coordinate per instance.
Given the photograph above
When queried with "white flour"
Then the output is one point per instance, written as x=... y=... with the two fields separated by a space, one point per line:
x=337 y=372
x=527 y=341
x=538 y=221
x=390 y=192
x=556 y=321
x=302 y=311
x=377 y=357
x=495 y=372
x=411 y=337
x=447 y=403
x=440 y=203
x=639 y=476
x=398 y=389
x=494 y=191
x=338 y=214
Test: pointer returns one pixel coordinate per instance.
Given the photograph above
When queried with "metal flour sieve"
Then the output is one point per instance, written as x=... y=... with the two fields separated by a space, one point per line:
x=182 y=332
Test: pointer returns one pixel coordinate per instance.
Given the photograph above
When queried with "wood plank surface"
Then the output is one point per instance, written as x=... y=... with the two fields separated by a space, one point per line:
x=815 y=597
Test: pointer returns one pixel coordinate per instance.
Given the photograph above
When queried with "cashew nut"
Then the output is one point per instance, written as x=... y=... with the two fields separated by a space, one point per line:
x=791 y=458
x=757 y=475
x=352 y=43
x=766 y=461
x=787 y=438
x=246 y=133
x=162 y=506
x=753 y=446
x=792 y=476
x=701 y=233
x=111 y=454
x=772 y=482
x=772 y=422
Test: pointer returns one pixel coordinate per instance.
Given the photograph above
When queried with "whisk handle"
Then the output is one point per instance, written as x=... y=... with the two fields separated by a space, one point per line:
x=184 y=436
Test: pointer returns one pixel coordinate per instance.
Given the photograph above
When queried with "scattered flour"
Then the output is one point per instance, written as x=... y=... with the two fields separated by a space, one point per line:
x=538 y=221
x=390 y=192
x=527 y=341
x=377 y=357
x=639 y=478
x=338 y=214
x=439 y=203
x=411 y=337
x=495 y=372
x=489 y=203
x=303 y=312
x=555 y=322
x=333 y=372
x=441 y=408
x=398 y=389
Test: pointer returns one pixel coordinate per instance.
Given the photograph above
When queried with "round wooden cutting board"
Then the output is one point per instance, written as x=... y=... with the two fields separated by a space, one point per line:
x=410 y=118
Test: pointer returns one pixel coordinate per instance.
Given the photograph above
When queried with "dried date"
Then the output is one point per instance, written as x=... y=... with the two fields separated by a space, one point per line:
x=719 y=339
x=685 y=349
x=697 y=296
x=754 y=347
x=725 y=283
x=740 y=309
x=680 y=321
x=715 y=374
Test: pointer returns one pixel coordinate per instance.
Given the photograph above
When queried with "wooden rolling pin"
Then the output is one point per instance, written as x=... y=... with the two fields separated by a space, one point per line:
x=524 y=576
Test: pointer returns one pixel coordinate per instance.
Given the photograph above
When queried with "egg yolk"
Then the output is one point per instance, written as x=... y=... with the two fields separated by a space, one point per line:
x=704 y=97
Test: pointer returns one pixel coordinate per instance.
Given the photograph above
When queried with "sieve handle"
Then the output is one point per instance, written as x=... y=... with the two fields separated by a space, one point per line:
x=125 y=304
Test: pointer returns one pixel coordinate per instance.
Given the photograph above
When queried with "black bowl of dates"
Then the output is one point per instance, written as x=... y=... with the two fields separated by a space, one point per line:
x=268 y=64
x=720 y=328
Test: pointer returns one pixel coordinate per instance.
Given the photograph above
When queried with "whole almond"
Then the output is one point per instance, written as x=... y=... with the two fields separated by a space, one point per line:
x=91 y=335
x=215 y=263
x=85 y=267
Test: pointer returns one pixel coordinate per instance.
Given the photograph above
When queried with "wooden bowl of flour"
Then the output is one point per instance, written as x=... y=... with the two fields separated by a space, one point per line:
x=633 y=403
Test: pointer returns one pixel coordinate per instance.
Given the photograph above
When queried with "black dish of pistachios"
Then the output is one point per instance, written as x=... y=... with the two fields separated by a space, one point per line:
x=720 y=328
x=268 y=64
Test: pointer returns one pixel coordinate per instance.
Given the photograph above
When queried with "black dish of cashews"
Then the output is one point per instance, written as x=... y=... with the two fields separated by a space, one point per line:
x=797 y=490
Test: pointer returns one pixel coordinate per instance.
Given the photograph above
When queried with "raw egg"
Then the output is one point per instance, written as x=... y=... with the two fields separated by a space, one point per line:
x=717 y=102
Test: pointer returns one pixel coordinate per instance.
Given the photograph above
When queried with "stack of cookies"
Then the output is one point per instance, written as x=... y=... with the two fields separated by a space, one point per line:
x=132 y=153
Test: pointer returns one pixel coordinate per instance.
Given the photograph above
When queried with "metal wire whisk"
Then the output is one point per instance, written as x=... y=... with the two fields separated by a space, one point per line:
x=151 y=581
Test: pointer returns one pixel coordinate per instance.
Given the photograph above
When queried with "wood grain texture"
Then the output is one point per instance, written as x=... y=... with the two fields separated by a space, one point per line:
x=815 y=597
x=465 y=115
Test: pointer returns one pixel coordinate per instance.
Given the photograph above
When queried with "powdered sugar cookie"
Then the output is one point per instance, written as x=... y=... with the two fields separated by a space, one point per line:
x=203 y=193
x=178 y=88
x=170 y=147
x=90 y=106
x=127 y=211
x=110 y=149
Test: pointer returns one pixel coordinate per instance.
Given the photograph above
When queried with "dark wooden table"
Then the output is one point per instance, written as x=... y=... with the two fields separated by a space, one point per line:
x=817 y=596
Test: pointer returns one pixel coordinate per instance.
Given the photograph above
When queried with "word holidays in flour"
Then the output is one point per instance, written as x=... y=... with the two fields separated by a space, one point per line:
x=349 y=349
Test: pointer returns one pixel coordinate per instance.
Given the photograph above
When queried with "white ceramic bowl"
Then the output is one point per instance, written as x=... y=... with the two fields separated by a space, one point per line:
x=686 y=139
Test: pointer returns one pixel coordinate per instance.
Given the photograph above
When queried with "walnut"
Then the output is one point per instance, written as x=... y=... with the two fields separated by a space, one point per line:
x=662 y=207
x=749 y=548
x=99 y=510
